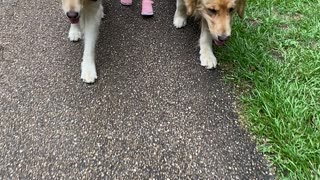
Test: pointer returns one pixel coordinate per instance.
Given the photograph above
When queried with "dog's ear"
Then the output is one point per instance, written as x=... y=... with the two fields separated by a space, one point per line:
x=191 y=6
x=241 y=4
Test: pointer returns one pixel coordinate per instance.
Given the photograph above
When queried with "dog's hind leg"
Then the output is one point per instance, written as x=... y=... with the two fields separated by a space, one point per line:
x=91 y=28
x=74 y=32
x=207 y=57
x=180 y=16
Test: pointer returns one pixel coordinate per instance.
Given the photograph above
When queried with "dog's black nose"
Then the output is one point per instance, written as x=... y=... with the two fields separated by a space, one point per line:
x=223 y=38
x=72 y=14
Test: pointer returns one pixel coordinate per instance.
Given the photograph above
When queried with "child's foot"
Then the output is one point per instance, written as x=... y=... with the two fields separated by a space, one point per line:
x=126 y=2
x=147 y=9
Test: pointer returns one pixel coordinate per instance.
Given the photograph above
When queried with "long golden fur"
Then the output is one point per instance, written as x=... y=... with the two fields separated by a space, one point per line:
x=216 y=19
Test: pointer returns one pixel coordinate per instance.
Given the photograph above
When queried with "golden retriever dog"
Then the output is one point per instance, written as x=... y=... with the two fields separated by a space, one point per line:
x=216 y=18
x=85 y=17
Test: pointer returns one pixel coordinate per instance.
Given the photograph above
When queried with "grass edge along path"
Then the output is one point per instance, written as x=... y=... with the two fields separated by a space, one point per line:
x=275 y=54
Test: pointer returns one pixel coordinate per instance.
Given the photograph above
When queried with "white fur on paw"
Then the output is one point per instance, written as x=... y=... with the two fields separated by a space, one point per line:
x=88 y=72
x=102 y=15
x=101 y=12
x=74 y=35
x=179 y=21
x=207 y=59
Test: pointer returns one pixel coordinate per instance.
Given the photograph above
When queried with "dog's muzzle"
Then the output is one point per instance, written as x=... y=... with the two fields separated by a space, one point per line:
x=221 y=40
x=73 y=17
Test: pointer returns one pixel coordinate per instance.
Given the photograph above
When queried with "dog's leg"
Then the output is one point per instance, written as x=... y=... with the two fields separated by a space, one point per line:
x=91 y=28
x=207 y=57
x=180 y=16
x=74 y=32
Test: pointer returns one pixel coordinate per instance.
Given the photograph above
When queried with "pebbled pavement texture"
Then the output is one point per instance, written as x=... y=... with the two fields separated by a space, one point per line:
x=154 y=112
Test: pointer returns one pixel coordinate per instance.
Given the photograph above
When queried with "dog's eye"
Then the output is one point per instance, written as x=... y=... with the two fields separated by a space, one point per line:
x=212 y=11
x=231 y=10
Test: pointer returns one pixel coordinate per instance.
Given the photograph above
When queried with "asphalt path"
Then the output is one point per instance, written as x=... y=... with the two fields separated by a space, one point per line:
x=153 y=113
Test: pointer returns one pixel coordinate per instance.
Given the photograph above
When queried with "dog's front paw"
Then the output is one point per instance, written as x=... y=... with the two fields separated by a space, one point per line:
x=207 y=59
x=74 y=34
x=179 y=21
x=88 y=72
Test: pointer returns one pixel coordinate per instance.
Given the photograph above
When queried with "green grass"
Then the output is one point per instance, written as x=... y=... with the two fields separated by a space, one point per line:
x=275 y=57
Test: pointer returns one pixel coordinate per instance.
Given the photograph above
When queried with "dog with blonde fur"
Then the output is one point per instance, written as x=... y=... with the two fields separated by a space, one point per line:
x=216 y=19
x=85 y=17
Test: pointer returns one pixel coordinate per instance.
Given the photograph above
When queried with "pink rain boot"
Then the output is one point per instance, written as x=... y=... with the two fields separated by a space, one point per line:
x=126 y=2
x=147 y=9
